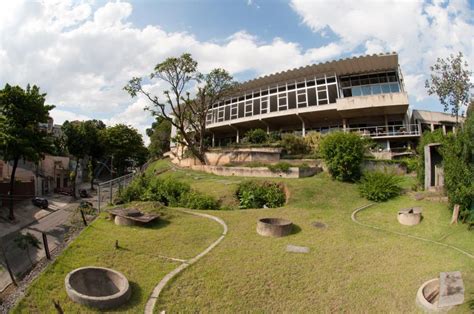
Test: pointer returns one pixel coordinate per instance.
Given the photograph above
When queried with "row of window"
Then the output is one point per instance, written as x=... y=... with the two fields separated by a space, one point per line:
x=373 y=89
x=387 y=77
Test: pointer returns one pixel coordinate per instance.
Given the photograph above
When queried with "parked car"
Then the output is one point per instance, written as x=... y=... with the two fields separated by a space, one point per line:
x=40 y=202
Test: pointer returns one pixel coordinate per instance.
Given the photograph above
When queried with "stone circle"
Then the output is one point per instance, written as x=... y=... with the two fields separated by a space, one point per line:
x=274 y=227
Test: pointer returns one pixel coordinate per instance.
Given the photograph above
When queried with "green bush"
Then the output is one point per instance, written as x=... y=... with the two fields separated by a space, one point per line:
x=134 y=190
x=411 y=163
x=195 y=200
x=313 y=142
x=256 y=136
x=167 y=191
x=254 y=194
x=294 y=145
x=343 y=154
x=379 y=186
x=280 y=167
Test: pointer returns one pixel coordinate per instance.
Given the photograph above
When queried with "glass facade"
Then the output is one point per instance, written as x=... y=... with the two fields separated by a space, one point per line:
x=372 y=84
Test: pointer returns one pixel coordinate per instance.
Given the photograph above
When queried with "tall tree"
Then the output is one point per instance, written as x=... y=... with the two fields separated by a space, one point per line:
x=95 y=132
x=125 y=145
x=187 y=115
x=159 y=134
x=21 y=111
x=450 y=81
x=78 y=145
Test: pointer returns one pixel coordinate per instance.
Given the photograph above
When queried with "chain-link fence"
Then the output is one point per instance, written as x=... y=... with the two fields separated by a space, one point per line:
x=107 y=190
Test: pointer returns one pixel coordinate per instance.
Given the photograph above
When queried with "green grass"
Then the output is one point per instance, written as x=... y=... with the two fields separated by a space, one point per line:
x=176 y=235
x=350 y=268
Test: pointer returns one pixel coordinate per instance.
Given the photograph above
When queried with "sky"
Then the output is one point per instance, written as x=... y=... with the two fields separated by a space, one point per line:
x=82 y=53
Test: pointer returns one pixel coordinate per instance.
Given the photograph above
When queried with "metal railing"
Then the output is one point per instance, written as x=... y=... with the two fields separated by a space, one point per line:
x=107 y=189
x=387 y=130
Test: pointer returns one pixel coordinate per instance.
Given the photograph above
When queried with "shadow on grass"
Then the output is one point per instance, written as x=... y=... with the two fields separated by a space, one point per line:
x=135 y=299
x=296 y=229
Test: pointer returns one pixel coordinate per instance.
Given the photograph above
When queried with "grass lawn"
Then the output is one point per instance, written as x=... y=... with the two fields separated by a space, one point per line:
x=176 y=235
x=350 y=268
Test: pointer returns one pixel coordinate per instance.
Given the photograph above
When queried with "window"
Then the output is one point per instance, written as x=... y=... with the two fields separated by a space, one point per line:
x=376 y=89
x=366 y=90
x=394 y=88
x=356 y=91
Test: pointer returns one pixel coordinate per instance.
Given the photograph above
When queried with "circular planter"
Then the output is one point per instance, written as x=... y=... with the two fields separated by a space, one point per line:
x=410 y=216
x=124 y=221
x=428 y=295
x=97 y=287
x=274 y=227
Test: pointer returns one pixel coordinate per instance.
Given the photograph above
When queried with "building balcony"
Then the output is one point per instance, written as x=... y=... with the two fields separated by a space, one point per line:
x=387 y=131
x=370 y=105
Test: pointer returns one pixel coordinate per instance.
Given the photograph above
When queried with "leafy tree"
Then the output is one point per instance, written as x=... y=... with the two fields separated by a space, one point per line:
x=256 y=136
x=21 y=111
x=343 y=154
x=24 y=241
x=95 y=133
x=186 y=114
x=159 y=133
x=78 y=145
x=125 y=145
x=450 y=81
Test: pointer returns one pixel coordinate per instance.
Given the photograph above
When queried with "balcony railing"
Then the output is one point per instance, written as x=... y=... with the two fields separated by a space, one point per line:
x=387 y=130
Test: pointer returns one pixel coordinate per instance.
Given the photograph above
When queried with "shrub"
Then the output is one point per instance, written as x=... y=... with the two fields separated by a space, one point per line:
x=134 y=190
x=256 y=136
x=294 y=144
x=343 y=154
x=168 y=191
x=411 y=164
x=313 y=142
x=253 y=194
x=380 y=186
x=280 y=167
x=195 y=200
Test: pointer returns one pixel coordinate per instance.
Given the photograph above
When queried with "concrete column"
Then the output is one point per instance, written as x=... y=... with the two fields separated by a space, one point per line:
x=454 y=129
x=386 y=124
x=432 y=127
x=444 y=129
x=303 y=128
x=238 y=137
x=213 y=140
x=268 y=129
x=344 y=124
x=388 y=145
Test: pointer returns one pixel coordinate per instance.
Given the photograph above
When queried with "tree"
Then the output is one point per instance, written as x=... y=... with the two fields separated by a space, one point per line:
x=450 y=81
x=125 y=145
x=159 y=133
x=78 y=145
x=21 y=111
x=187 y=115
x=95 y=133
x=24 y=241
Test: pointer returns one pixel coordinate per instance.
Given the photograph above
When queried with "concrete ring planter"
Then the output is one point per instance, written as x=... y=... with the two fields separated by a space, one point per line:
x=274 y=227
x=428 y=295
x=409 y=217
x=97 y=287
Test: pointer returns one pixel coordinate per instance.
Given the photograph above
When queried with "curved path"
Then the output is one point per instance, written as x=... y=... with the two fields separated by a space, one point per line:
x=150 y=304
x=355 y=212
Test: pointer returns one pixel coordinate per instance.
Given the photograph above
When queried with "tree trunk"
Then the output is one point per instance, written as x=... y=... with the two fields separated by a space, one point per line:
x=28 y=253
x=11 y=214
x=75 y=179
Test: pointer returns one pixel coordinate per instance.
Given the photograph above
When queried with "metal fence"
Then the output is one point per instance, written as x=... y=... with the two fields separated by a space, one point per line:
x=106 y=190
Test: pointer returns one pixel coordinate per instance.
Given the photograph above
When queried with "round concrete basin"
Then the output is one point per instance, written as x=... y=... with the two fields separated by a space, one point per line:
x=98 y=287
x=274 y=227
x=410 y=216
x=427 y=297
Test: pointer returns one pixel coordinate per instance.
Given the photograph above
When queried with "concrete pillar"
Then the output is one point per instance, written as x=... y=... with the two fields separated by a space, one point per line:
x=303 y=128
x=213 y=140
x=344 y=124
x=386 y=124
x=444 y=129
x=268 y=129
x=432 y=127
x=238 y=137
x=388 y=145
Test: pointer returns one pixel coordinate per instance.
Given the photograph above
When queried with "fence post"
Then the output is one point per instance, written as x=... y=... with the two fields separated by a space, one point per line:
x=98 y=199
x=110 y=201
x=45 y=245
x=83 y=218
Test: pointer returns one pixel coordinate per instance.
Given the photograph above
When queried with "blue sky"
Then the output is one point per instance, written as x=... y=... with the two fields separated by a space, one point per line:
x=83 y=52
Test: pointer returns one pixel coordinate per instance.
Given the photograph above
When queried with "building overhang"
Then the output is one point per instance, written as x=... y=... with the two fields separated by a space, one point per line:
x=373 y=105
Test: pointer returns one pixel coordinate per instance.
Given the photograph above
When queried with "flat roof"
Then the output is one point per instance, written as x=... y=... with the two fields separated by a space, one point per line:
x=347 y=66
x=434 y=116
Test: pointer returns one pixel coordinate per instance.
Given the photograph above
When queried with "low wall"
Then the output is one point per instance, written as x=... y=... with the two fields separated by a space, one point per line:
x=222 y=156
x=21 y=191
x=260 y=172
x=369 y=165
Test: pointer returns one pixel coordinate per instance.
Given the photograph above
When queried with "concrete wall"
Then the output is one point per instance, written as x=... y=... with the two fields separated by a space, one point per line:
x=259 y=172
x=368 y=165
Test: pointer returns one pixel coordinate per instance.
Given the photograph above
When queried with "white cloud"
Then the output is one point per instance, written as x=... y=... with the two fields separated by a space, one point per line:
x=419 y=31
x=83 y=57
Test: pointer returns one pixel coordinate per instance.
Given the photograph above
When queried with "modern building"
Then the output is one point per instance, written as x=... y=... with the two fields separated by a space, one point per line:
x=363 y=94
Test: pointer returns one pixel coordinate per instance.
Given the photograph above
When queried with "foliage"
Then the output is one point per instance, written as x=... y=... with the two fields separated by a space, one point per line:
x=294 y=144
x=125 y=145
x=343 y=154
x=21 y=112
x=159 y=134
x=427 y=138
x=379 y=186
x=196 y=200
x=274 y=136
x=256 y=136
x=451 y=82
x=187 y=115
x=411 y=164
x=255 y=194
x=313 y=141
x=281 y=166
